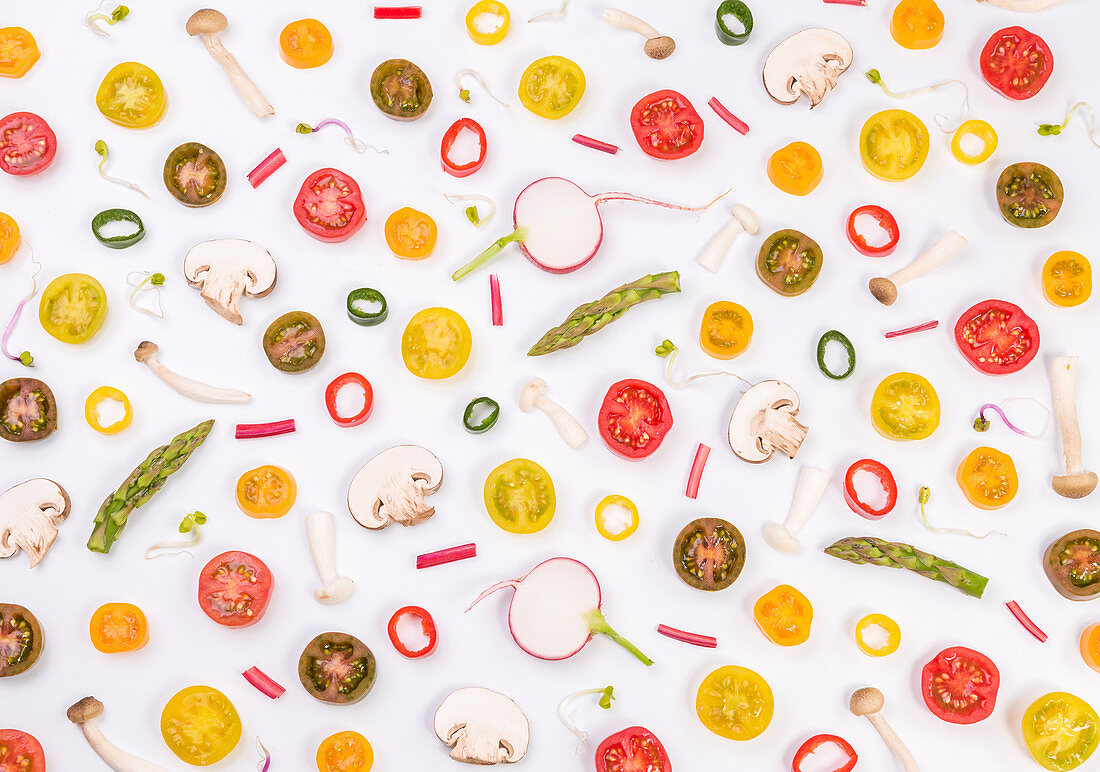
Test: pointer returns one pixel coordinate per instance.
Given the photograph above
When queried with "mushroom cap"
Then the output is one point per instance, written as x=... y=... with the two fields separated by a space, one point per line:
x=744 y=441
x=866 y=701
x=391 y=487
x=884 y=290
x=1074 y=486
x=803 y=52
x=237 y=255
x=780 y=539
x=29 y=515
x=206 y=21
x=660 y=47
x=87 y=709
x=748 y=219
x=145 y=350
x=530 y=394
x=477 y=709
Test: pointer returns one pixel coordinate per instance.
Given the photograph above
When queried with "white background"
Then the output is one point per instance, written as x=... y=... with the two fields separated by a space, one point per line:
x=811 y=682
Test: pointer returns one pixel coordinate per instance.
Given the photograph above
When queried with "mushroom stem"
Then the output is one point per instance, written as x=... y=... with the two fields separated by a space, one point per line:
x=86 y=714
x=744 y=221
x=207 y=24
x=780 y=430
x=808 y=491
x=321 y=533
x=868 y=702
x=885 y=290
x=1076 y=483
x=533 y=396
x=146 y=353
x=624 y=20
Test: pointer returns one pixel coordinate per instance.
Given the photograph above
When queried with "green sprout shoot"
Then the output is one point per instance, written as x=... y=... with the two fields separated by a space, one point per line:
x=101 y=149
x=92 y=19
x=1053 y=130
x=945 y=126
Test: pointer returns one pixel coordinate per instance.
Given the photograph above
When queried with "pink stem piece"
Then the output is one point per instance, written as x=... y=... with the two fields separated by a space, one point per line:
x=997 y=409
x=910 y=330
x=270 y=429
x=494 y=299
x=702 y=453
x=265 y=683
x=448 y=555
x=737 y=124
x=845 y=2
x=595 y=144
x=266 y=167
x=1025 y=620
x=695 y=639
x=397 y=12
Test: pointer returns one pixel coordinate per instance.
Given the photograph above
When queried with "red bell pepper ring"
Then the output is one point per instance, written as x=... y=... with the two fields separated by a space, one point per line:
x=807 y=749
x=334 y=388
x=463 y=169
x=885 y=221
x=427 y=626
x=885 y=479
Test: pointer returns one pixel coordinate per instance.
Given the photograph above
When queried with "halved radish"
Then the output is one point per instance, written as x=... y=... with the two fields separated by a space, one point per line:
x=555 y=610
x=558 y=225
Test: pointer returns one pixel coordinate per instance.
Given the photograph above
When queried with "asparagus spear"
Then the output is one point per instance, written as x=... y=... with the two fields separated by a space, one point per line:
x=146 y=479
x=877 y=552
x=593 y=317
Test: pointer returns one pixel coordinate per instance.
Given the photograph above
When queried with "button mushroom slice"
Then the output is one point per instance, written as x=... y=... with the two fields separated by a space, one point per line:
x=809 y=62
x=29 y=515
x=764 y=421
x=225 y=269
x=390 y=488
x=482 y=726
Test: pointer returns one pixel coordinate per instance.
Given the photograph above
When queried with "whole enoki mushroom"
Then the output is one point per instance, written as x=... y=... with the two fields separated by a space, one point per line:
x=941 y=120
x=24 y=358
x=357 y=144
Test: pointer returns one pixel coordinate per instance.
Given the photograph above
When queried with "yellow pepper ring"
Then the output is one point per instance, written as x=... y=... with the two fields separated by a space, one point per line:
x=606 y=525
x=883 y=623
x=478 y=25
x=97 y=398
x=980 y=130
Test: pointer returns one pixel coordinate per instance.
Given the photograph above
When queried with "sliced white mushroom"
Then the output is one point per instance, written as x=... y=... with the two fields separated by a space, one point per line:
x=809 y=62
x=29 y=515
x=225 y=269
x=483 y=727
x=764 y=421
x=390 y=488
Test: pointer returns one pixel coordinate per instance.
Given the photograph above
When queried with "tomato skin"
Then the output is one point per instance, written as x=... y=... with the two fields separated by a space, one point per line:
x=235 y=589
x=796 y=169
x=28 y=410
x=886 y=480
x=634 y=749
x=789 y=262
x=118 y=627
x=726 y=330
x=195 y=175
x=20 y=752
x=807 y=749
x=1061 y=731
x=988 y=478
x=519 y=496
x=917 y=24
x=960 y=685
x=200 y=725
x=295 y=342
x=18 y=52
x=267 y=491
x=436 y=343
x=1029 y=195
x=997 y=337
x=551 y=87
x=21 y=638
x=885 y=220
x=27 y=144
x=634 y=418
x=904 y=407
x=400 y=89
x=1016 y=63
x=1067 y=278
x=735 y=702
x=337 y=668
x=427 y=626
x=1072 y=564
x=132 y=96
x=345 y=752
x=894 y=145
x=305 y=43
x=666 y=125
x=410 y=234
x=784 y=616
x=329 y=206
x=709 y=554
x=73 y=307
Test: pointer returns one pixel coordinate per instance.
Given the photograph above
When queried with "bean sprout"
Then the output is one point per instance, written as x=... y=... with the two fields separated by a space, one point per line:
x=1049 y=130
x=114 y=17
x=149 y=282
x=923 y=496
x=357 y=144
x=101 y=148
x=472 y=213
x=566 y=716
x=190 y=524
x=551 y=14
x=263 y=764
x=668 y=351
x=941 y=120
x=464 y=93
x=25 y=358
x=981 y=423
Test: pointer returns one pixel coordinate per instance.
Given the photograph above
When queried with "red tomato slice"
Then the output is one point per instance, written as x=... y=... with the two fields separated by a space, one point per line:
x=960 y=685
x=666 y=125
x=634 y=418
x=329 y=206
x=235 y=588
x=20 y=752
x=1016 y=62
x=635 y=749
x=997 y=337
x=27 y=144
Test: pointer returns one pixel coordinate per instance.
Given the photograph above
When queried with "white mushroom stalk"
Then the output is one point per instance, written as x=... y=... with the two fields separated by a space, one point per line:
x=657 y=46
x=391 y=487
x=533 y=397
x=945 y=125
x=809 y=62
x=483 y=727
x=464 y=93
x=1029 y=6
x=764 y=421
x=885 y=290
x=811 y=486
x=567 y=716
x=869 y=702
x=744 y=221
x=29 y=515
x=321 y=534
x=208 y=24
x=86 y=714
x=146 y=353
x=225 y=270
x=1076 y=483
x=669 y=351
x=1053 y=130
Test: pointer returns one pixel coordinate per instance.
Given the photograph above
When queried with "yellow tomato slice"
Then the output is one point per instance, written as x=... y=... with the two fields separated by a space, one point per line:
x=551 y=87
x=877 y=635
x=1061 y=730
x=118 y=627
x=487 y=21
x=9 y=237
x=978 y=131
x=18 y=52
x=893 y=145
x=616 y=517
x=519 y=496
x=132 y=95
x=200 y=725
x=436 y=343
x=784 y=615
x=95 y=401
x=735 y=702
x=988 y=478
x=726 y=330
x=73 y=307
x=905 y=407
x=305 y=43
x=266 y=491
x=411 y=234
x=345 y=752
x=796 y=169
x=917 y=24
x=1067 y=279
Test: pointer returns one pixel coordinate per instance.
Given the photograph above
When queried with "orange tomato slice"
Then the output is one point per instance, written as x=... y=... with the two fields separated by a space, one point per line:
x=266 y=491
x=18 y=52
x=411 y=234
x=305 y=43
x=784 y=615
x=118 y=627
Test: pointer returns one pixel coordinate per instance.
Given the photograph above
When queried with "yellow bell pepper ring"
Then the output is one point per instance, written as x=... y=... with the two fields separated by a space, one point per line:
x=98 y=399
x=616 y=517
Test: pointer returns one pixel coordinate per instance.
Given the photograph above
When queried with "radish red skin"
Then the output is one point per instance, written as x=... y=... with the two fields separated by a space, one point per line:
x=570 y=267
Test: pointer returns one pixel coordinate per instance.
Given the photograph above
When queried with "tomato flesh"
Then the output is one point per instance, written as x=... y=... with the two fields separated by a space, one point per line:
x=709 y=553
x=28 y=410
x=784 y=615
x=436 y=343
x=960 y=685
x=118 y=627
x=789 y=262
x=894 y=145
x=1073 y=564
x=266 y=491
x=194 y=175
x=400 y=89
x=551 y=87
x=21 y=639
x=20 y=752
x=1067 y=279
x=132 y=95
x=519 y=496
x=997 y=337
x=988 y=478
x=1029 y=195
x=200 y=725
x=295 y=342
x=345 y=752
x=27 y=144
x=635 y=749
x=666 y=125
x=337 y=668
x=305 y=43
x=1017 y=63
x=1061 y=731
x=905 y=406
x=634 y=418
x=796 y=169
x=235 y=589
x=329 y=206
x=726 y=330
x=735 y=702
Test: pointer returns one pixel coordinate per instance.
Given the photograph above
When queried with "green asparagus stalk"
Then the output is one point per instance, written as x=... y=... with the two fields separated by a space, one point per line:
x=593 y=317
x=877 y=552
x=142 y=483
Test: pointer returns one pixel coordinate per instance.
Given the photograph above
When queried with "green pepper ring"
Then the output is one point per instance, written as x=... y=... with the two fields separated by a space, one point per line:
x=838 y=337
x=742 y=13
x=367 y=318
x=486 y=423
x=108 y=216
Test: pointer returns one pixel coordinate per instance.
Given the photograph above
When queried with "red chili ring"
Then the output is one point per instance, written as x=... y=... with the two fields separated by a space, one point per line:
x=885 y=220
x=462 y=170
x=334 y=388
x=807 y=749
x=427 y=625
x=886 y=480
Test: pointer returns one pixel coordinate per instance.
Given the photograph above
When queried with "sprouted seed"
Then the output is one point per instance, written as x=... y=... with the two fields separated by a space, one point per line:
x=464 y=93
x=357 y=144
x=668 y=351
x=472 y=212
x=265 y=763
x=547 y=15
x=142 y=282
x=92 y=19
x=941 y=120
x=1053 y=130
x=982 y=424
x=189 y=525
x=566 y=716
x=101 y=149
x=923 y=496
x=24 y=358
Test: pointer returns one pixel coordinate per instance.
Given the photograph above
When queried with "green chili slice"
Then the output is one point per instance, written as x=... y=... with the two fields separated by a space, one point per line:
x=482 y=424
x=835 y=336
x=741 y=14
x=123 y=240
x=366 y=295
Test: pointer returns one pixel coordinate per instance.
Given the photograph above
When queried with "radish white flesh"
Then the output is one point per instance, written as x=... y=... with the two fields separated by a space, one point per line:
x=558 y=225
x=555 y=610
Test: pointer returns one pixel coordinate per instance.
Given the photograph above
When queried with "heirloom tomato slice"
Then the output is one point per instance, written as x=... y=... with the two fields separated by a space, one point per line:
x=266 y=491
x=1067 y=278
x=118 y=627
x=1061 y=730
x=789 y=262
x=634 y=418
x=796 y=169
x=893 y=145
x=905 y=407
x=73 y=307
x=519 y=496
x=917 y=24
x=27 y=144
x=1016 y=63
x=20 y=752
x=960 y=685
x=436 y=343
x=337 y=668
x=18 y=52
x=666 y=125
x=28 y=410
x=200 y=725
x=194 y=175
x=635 y=749
x=726 y=330
x=709 y=553
x=1029 y=195
x=21 y=639
x=305 y=43
x=1073 y=564
x=988 y=478
x=329 y=206
x=345 y=752
x=784 y=615
x=132 y=96
x=997 y=337
x=735 y=702
x=235 y=588
x=551 y=87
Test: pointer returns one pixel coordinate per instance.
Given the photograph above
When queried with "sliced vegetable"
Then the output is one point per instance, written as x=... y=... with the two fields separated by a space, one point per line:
x=392 y=486
x=482 y=727
x=21 y=639
x=893 y=145
x=551 y=87
x=1017 y=63
x=1061 y=731
x=427 y=632
x=28 y=410
x=337 y=668
x=225 y=270
x=519 y=496
x=9 y=237
x=808 y=749
x=367 y=307
x=809 y=62
x=702 y=453
x=94 y=404
x=784 y=615
x=118 y=627
x=867 y=550
x=21 y=751
x=666 y=125
x=332 y=398
x=634 y=748
x=764 y=420
x=496 y=309
x=29 y=515
x=885 y=221
x=266 y=491
x=997 y=337
x=979 y=131
x=634 y=418
x=796 y=168
x=410 y=234
x=395 y=12
x=400 y=89
x=259 y=431
x=1067 y=279
x=200 y=725
x=708 y=554
x=733 y=22
x=18 y=52
x=487 y=22
x=195 y=175
x=305 y=43
x=1025 y=620
x=694 y=639
x=448 y=555
x=917 y=24
x=924 y=327
x=987 y=477
x=616 y=517
x=452 y=137
x=595 y=144
x=735 y=123
x=1029 y=194
x=1090 y=646
x=348 y=751
x=295 y=342
x=436 y=343
x=329 y=206
x=877 y=635
x=555 y=610
x=132 y=96
x=885 y=480
x=905 y=407
x=1072 y=564
x=115 y=217
x=789 y=262
x=268 y=686
x=27 y=144
x=735 y=702
x=480 y=415
x=835 y=336
x=73 y=307
x=960 y=685
x=235 y=589
x=265 y=168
